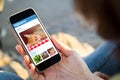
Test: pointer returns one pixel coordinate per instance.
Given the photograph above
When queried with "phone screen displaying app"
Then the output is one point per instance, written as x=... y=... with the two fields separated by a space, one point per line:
x=35 y=39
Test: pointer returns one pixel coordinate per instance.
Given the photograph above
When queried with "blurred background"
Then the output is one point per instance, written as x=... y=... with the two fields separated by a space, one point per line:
x=56 y=15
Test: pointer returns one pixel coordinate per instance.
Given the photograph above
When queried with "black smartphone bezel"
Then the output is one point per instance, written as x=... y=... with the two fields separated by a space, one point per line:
x=22 y=15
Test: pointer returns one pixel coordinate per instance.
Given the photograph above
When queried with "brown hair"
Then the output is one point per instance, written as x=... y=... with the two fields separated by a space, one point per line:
x=106 y=13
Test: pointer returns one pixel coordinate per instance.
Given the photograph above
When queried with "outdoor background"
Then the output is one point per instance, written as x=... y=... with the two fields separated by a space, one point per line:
x=56 y=15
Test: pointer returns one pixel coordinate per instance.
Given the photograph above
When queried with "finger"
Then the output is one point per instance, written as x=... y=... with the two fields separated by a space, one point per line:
x=29 y=65
x=61 y=47
x=32 y=68
x=27 y=61
x=20 y=49
x=33 y=74
x=102 y=75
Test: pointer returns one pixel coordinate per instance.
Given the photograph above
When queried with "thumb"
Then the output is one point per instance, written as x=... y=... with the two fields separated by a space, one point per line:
x=65 y=50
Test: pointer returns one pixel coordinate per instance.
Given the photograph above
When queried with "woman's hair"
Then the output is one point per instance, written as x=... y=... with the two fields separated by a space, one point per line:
x=106 y=13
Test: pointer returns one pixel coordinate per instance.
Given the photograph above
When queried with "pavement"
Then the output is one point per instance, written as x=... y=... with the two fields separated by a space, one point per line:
x=56 y=15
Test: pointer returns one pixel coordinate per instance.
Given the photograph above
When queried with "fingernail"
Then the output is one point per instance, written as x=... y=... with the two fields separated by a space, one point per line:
x=16 y=47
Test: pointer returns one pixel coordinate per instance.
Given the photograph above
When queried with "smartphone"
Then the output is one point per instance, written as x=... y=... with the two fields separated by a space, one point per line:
x=34 y=38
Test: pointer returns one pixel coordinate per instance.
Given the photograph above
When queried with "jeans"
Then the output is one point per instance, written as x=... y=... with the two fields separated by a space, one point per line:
x=105 y=58
x=9 y=76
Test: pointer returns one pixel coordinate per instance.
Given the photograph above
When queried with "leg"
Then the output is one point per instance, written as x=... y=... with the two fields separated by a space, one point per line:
x=8 y=76
x=105 y=59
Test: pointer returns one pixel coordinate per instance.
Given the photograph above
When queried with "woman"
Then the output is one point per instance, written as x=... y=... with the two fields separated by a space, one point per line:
x=105 y=14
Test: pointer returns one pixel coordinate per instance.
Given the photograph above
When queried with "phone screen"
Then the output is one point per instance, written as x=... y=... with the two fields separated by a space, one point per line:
x=35 y=39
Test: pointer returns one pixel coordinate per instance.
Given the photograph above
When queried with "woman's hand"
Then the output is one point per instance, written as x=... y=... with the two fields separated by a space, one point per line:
x=71 y=67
